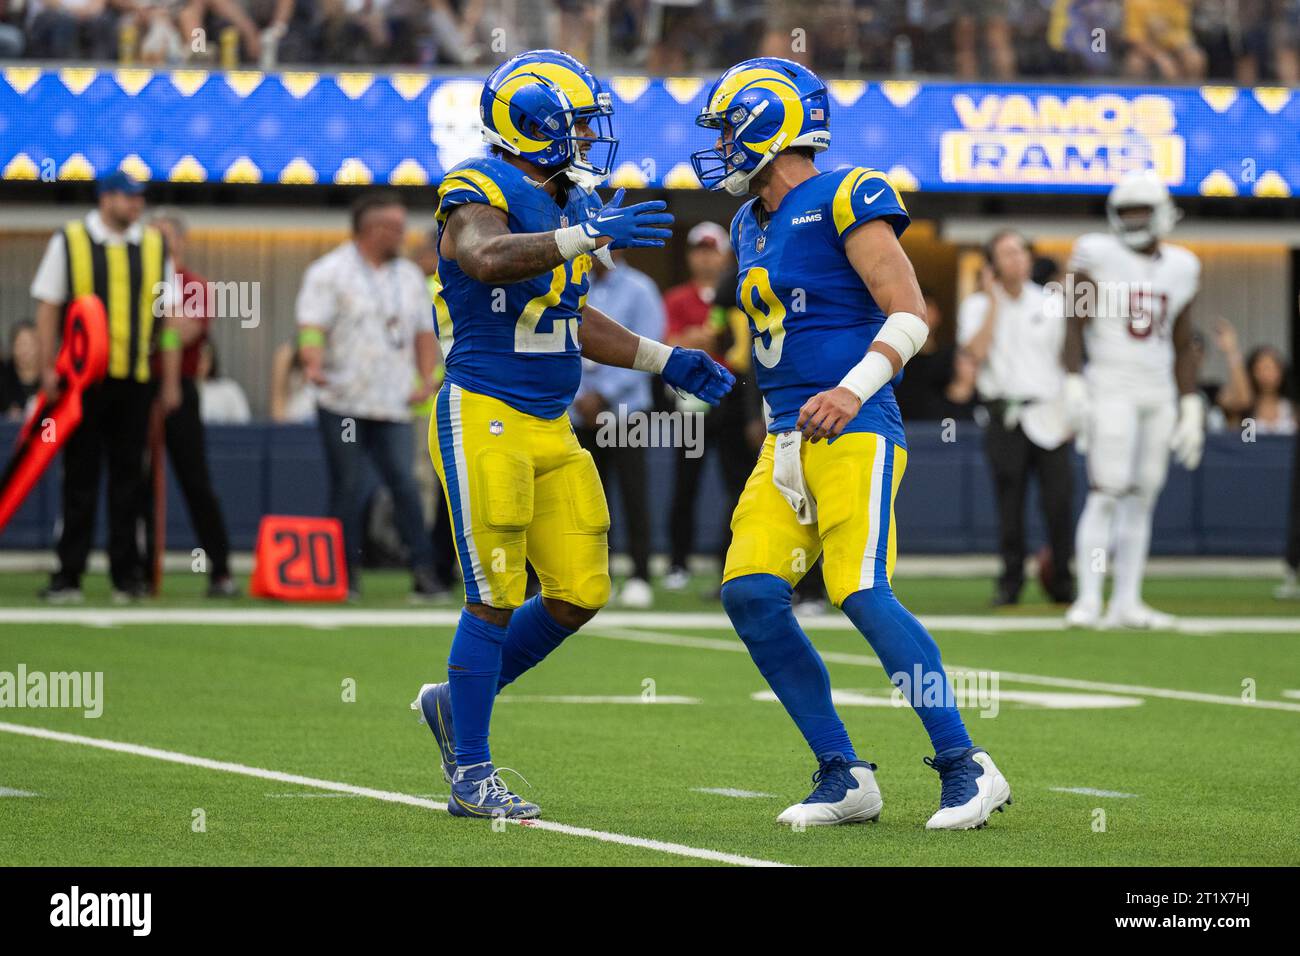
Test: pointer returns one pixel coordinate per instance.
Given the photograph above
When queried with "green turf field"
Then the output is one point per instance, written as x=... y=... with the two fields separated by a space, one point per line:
x=1209 y=780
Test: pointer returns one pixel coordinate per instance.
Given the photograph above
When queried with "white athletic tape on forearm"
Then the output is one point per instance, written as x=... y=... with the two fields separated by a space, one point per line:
x=905 y=333
x=868 y=376
x=573 y=241
x=651 y=356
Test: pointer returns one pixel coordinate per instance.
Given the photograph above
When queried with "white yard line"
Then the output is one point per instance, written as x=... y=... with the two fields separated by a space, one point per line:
x=341 y=618
x=864 y=660
x=1092 y=792
x=388 y=796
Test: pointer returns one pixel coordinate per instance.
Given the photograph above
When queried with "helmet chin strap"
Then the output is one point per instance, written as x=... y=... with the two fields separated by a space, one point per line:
x=737 y=184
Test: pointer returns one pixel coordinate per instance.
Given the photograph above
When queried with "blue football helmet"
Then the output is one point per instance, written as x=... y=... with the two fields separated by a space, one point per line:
x=532 y=105
x=760 y=107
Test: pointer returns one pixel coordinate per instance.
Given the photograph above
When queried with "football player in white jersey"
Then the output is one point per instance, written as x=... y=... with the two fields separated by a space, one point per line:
x=1135 y=399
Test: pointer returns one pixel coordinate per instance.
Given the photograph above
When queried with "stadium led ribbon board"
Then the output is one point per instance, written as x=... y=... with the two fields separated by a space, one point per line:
x=408 y=128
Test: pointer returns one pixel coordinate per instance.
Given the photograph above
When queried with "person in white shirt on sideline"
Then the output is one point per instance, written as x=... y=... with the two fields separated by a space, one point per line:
x=365 y=322
x=1014 y=331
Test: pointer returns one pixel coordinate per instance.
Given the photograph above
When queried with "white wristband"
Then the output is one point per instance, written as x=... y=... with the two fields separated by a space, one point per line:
x=573 y=241
x=905 y=333
x=651 y=356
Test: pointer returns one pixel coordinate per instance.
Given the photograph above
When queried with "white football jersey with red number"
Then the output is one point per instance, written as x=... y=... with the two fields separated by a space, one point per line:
x=1137 y=297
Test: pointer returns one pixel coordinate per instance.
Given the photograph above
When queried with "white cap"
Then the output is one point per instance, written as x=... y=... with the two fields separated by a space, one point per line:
x=708 y=234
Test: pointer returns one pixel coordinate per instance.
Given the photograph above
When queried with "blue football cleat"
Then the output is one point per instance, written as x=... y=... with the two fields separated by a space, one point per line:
x=478 y=791
x=844 y=791
x=434 y=705
x=972 y=787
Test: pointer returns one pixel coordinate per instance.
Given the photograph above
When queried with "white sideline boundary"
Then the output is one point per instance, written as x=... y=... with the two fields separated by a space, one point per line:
x=911 y=565
x=388 y=796
x=338 y=618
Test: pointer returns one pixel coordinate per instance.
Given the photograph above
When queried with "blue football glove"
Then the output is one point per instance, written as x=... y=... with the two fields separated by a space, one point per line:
x=690 y=370
x=638 y=226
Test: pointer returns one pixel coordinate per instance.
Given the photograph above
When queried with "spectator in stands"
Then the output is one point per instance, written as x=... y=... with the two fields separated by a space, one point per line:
x=366 y=31
x=293 y=397
x=1160 y=40
x=610 y=396
x=1257 y=388
x=12 y=40
x=1087 y=30
x=20 y=374
x=270 y=31
x=1217 y=26
x=71 y=29
x=148 y=31
x=992 y=16
x=1284 y=40
x=365 y=325
x=575 y=26
x=210 y=400
x=1013 y=331
x=696 y=319
x=940 y=379
x=1269 y=40
x=454 y=37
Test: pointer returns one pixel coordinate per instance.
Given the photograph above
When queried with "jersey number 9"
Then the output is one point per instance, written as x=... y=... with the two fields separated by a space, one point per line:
x=766 y=315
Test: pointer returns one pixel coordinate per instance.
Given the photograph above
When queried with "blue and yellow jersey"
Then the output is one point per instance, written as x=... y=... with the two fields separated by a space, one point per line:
x=810 y=315
x=516 y=342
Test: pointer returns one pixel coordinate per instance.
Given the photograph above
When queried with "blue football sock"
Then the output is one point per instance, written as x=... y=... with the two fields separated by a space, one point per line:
x=759 y=608
x=911 y=659
x=532 y=634
x=472 y=669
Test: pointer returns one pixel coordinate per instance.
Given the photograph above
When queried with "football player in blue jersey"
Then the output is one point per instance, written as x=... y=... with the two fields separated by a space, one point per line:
x=835 y=313
x=516 y=232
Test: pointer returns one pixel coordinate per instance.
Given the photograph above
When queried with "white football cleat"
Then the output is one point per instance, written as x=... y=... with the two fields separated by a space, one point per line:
x=636 y=593
x=845 y=792
x=1139 y=616
x=1084 y=613
x=971 y=788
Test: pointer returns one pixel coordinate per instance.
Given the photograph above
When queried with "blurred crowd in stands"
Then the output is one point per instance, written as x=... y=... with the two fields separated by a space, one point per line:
x=1245 y=41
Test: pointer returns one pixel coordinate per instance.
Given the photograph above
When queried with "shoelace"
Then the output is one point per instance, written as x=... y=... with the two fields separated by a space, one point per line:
x=493 y=786
x=952 y=779
x=826 y=779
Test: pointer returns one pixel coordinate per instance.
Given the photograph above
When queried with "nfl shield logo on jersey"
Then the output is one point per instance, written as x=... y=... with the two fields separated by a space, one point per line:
x=762 y=241
x=495 y=427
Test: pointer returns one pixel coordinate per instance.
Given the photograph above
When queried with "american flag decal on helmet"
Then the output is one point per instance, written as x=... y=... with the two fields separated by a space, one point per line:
x=817 y=113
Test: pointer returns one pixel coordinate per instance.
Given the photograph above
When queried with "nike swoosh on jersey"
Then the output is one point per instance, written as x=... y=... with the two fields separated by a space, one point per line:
x=872 y=198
